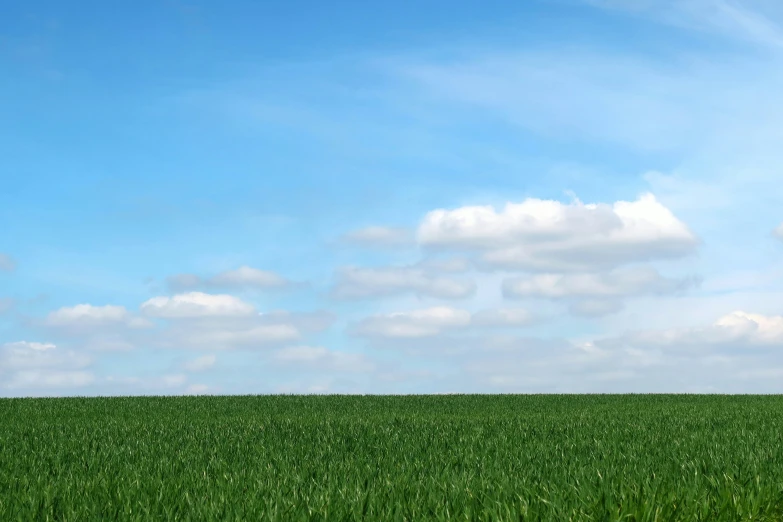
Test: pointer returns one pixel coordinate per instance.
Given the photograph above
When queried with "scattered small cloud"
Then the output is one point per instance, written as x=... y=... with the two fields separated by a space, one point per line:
x=378 y=237
x=200 y=364
x=7 y=263
x=107 y=328
x=197 y=389
x=90 y=317
x=228 y=331
x=737 y=329
x=595 y=307
x=615 y=283
x=366 y=283
x=316 y=321
x=6 y=304
x=322 y=359
x=247 y=277
x=242 y=278
x=503 y=317
x=196 y=305
x=228 y=335
x=417 y=323
x=778 y=232
x=36 y=365
x=453 y=265
x=182 y=282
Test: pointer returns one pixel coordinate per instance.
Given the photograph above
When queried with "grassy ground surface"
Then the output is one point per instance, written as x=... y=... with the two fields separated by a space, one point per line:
x=630 y=458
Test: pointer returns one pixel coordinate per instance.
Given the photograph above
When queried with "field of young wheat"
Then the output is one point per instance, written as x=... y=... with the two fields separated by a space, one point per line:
x=629 y=458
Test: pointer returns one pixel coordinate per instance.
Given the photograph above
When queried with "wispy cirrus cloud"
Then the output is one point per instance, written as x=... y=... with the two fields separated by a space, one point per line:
x=752 y=21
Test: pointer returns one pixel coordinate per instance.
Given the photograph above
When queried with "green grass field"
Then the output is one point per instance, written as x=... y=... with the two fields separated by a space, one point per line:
x=630 y=458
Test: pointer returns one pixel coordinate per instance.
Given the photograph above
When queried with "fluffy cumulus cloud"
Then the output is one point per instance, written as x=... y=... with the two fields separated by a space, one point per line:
x=196 y=305
x=242 y=278
x=378 y=237
x=550 y=236
x=42 y=366
x=7 y=263
x=362 y=283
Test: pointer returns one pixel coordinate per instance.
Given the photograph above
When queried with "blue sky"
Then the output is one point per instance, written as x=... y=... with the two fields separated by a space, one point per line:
x=352 y=197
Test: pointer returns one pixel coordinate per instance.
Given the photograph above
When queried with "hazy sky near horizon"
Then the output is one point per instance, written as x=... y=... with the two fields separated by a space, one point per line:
x=387 y=197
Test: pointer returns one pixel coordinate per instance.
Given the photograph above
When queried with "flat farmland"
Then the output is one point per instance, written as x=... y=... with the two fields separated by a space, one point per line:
x=448 y=457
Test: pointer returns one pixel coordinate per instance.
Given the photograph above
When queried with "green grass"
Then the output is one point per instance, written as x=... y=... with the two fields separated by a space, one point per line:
x=624 y=457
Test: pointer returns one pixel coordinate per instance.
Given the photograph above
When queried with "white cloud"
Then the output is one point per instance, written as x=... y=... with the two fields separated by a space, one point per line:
x=317 y=321
x=541 y=235
x=242 y=278
x=196 y=305
x=173 y=380
x=378 y=237
x=417 y=323
x=197 y=389
x=323 y=359
x=6 y=304
x=778 y=232
x=595 y=307
x=665 y=102
x=360 y=283
x=738 y=329
x=241 y=331
x=228 y=336
x=181 y=282
x=616 y=283
x=450 y=265
x=42 y=365
x=100 y=328
x=200 y=364
x=503 y=317
x=247 y=277
x=89 y=316
x=6 y=263
x=87 y=312
x=36 y=379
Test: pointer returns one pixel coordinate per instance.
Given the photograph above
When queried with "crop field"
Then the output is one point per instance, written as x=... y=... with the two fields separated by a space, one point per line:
x=479 y=457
